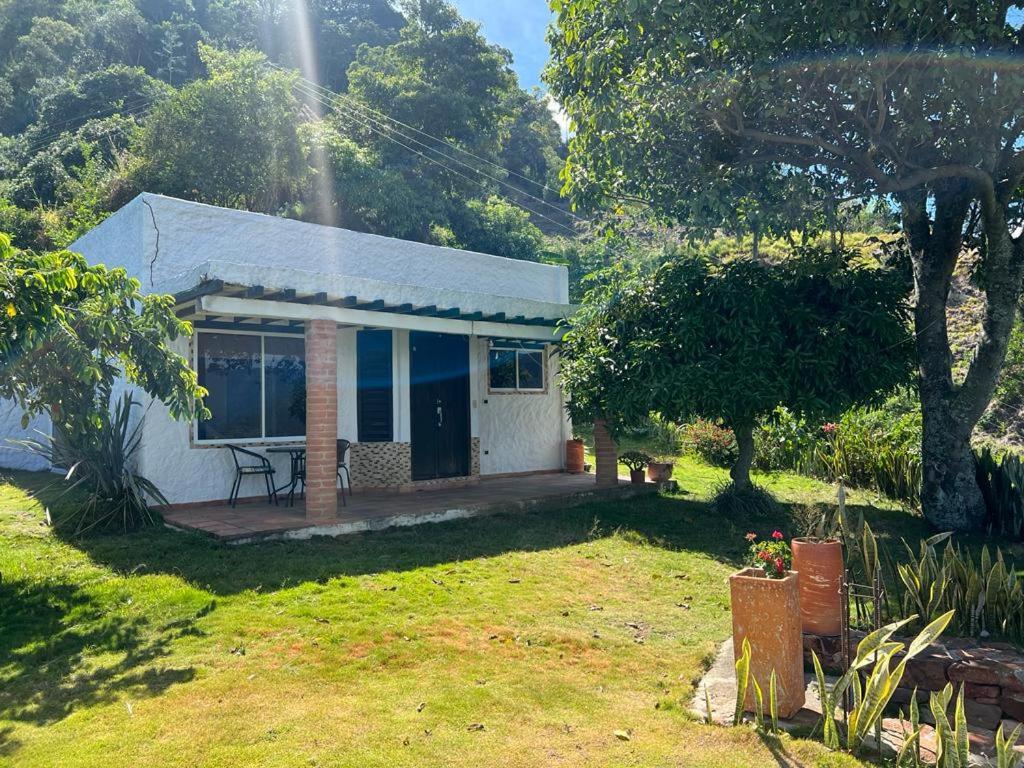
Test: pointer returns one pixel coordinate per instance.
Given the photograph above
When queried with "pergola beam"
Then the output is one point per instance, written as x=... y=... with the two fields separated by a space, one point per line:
x=298 y=313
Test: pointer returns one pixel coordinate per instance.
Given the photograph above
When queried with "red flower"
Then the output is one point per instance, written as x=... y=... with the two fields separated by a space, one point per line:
x=763 y=554
x=777 y=535
x=779 y=565
x=829 y=428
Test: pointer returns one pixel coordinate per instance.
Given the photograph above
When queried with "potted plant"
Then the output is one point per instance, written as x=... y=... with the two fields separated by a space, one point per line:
x=574 y=456
x=818 y=559
x=766 y=613
x=659 y=470
x=637 y=461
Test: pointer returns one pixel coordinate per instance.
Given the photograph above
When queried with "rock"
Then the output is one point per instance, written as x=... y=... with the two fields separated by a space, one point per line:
x=982 y=715
x=927 y=673
x=997 y=668
x=1012 y=704
x=828 y=649
x=982 y=740
x=977 y=691
x=901 y=697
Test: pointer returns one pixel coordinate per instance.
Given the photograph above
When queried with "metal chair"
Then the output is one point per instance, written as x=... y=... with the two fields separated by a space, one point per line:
x=245 y=468
x=343 y=446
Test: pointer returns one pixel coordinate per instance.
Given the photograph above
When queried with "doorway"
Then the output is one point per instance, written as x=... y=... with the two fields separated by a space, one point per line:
x=439 y=405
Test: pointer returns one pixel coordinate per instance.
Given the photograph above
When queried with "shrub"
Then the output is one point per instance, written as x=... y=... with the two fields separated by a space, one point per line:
x=876 y=448
x=787 y=442
x=1001 y=480
x=737 y=501
x=713 y=443
x=102 y=461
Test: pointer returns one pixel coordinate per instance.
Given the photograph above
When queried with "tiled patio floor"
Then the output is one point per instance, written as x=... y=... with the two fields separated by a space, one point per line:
x=366 y=511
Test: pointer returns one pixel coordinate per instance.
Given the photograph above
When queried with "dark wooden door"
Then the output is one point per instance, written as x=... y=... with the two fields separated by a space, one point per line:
x=439 y=405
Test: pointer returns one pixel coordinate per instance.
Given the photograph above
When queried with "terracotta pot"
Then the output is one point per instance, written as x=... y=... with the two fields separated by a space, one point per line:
x=636 y=475
x=659 y=472
x=767 y=613
x=574 y=456
x=820 y=565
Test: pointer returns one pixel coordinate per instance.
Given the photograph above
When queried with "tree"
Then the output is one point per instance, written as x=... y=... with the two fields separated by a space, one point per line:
x=498 y=227
x=920 y=104
x=735 y=341
x=68 y=330
x=231 y=139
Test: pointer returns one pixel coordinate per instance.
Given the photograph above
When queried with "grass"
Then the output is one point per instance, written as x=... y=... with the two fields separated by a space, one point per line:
x=570 y=638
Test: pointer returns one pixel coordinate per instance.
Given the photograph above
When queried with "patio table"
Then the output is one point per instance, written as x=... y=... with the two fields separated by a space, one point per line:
x=296 y=453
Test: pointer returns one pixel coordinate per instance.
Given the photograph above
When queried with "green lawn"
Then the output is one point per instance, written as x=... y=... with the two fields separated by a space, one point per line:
x=516 y=640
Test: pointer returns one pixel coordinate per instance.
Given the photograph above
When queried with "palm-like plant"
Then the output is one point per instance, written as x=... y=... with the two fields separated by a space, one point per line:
x=103 y=462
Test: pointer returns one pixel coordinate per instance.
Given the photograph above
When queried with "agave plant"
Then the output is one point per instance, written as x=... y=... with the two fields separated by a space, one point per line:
x=102 y=461
x=872 y=694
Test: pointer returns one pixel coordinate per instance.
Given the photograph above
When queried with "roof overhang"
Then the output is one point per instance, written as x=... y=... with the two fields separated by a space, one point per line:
x=226 y=295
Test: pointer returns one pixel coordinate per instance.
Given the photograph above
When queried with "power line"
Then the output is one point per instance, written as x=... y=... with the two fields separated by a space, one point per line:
x=425 y=134
x=51 y=137
x=384 y=126
x=363 y=121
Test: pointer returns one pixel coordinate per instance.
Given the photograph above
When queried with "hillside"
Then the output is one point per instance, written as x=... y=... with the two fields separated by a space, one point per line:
x=405 y=123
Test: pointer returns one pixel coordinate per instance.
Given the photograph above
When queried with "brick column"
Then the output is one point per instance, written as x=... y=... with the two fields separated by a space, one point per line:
x=607 y=457
x=321 y=419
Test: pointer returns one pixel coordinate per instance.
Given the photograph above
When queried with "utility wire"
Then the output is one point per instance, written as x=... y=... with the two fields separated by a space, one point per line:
x=51 y=137
x=384 y=126
x=364 y=122
x=425 y=134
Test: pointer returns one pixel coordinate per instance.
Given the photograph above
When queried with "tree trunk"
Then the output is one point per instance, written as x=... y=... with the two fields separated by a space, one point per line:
x=950 y=497
x=740 y=472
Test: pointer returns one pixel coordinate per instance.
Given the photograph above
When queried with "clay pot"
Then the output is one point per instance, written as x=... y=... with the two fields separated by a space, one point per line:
x=636 y=476
x=767 y=613
x=574 y=456
x=820 y=565
x=659 y=472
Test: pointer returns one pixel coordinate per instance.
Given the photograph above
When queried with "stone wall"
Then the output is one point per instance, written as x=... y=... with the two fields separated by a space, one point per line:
x=380 y=465
x=992 y=675
x=389 y=465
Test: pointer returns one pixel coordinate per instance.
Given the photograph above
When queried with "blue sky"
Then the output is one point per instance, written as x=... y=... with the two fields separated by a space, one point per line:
x=518 y=25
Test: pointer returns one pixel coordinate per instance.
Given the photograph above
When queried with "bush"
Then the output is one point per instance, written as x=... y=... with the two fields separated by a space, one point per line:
x=876 y=448
x=102 y=461
x=1001 y=479
x=786 y=442
x=712 y=442
x=735 y=501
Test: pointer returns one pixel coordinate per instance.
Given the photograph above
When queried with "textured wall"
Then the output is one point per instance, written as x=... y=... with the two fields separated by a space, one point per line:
x=191 y=234
x=380 y=465
x=520 y=432
x=14 y=456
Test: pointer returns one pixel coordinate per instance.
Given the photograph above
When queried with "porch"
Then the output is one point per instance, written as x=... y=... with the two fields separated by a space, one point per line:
x=376 y=510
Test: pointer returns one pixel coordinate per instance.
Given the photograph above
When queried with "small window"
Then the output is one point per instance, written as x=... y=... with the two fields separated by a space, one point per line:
x=516 y=370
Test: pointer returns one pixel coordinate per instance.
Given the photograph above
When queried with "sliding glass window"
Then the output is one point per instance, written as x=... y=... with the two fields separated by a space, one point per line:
x=256 y=384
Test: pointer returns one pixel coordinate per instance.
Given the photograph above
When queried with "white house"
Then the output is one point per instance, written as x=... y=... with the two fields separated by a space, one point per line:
x=437 y=364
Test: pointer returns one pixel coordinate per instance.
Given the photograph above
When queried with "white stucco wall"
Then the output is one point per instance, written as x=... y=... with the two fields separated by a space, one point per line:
x=15 y=456
x=191 y=234
x=186 y=473
x=520 y=432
